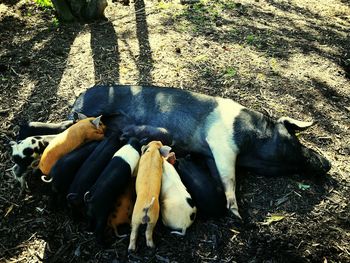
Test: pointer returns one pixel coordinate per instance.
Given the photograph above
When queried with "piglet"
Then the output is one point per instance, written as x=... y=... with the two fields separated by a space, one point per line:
x=148 y=183
x=111 y=183
x=86 y=129
x=65 y=169
x=177 y=208
x=92 y=168
x=35 y=128
x=205 y=188
x=26 y=153
x=148 y=132
x=123 y=207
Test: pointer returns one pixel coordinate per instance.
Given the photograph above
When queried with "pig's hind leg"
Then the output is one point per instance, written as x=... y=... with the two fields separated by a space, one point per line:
x=133 y=236
x=149 y=234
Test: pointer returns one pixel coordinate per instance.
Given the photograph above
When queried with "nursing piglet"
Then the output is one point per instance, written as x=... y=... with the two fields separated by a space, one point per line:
x=177 y=208
x=65 y=169
x=151 y=133
x=114 y=179
x=26 y=152
x=35 y=128
x=207 y=192
x=123 y=207
x=87 y=129
x=92 y=168
x=148 y=184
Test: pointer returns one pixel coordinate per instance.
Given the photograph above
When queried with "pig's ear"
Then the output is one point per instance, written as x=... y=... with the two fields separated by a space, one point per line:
x=171 y=158
x=78 y=116
x=144 y=148
x=165 y=150
x=12 y=143
x=96 y=122
x=295 y=125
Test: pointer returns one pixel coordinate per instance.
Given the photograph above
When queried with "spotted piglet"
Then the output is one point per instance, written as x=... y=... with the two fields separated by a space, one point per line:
x=148 y=184
x=35 y=128
x=122 y=209
x=177 y=208
x=86 y=129
x=26 y=152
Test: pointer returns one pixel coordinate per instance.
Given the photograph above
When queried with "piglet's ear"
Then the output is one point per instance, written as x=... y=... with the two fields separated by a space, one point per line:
x=96 y=122
x=78 y=116
x=171 y=158
x=144 y=148
x=295 y=125
x=12 y=143
x=165 y=150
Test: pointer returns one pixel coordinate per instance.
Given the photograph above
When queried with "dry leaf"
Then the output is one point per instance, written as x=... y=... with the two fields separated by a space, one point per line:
x=273 y=218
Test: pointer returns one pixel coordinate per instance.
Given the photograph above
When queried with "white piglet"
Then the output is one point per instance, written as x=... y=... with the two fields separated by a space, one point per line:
x=177 y=207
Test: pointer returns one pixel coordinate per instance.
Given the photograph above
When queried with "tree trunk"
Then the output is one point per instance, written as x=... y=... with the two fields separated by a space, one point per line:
x=80 y=10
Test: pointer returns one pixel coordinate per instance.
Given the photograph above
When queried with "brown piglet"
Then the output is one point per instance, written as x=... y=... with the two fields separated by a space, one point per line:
x=84 y=130
x=148 y=184
x=123 y=209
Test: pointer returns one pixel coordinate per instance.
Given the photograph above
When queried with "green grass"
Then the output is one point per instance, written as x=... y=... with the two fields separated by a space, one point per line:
x=250 y=39
x=204 y=14
x=230 y=72
x=44 y=3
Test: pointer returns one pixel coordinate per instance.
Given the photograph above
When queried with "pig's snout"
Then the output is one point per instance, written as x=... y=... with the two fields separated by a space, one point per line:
x=315 y=164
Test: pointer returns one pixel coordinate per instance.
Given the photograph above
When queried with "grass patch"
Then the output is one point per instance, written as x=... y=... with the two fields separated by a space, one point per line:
x=44 y=3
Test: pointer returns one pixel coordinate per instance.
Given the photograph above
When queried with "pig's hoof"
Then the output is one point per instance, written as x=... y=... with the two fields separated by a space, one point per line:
x=233 y=207
x=235 y=212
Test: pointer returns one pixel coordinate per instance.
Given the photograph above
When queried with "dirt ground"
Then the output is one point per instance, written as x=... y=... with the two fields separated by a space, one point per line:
x=285 y=58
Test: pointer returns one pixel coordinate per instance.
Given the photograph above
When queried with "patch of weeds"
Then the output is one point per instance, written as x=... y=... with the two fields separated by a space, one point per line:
x=230 y=72
x=44 y=3
x=206 y=13
x=164 y=5
x=55 y=22
x=250 y=39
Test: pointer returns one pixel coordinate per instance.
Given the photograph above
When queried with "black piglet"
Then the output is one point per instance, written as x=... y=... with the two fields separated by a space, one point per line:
x=65 y=169
x=111 y=183
x=92 y=168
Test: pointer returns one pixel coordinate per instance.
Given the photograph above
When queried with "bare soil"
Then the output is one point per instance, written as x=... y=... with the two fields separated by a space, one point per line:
x=286 y=58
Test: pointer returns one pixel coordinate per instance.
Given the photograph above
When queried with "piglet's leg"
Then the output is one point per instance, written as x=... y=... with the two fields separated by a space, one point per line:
x=225 y=160
x=117 y=233
x=133 y=237
x=149 y=235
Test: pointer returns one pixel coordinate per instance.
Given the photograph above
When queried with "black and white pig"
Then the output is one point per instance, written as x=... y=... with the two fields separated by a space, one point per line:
x=207 y=192
x=33 y=128
x=25 y=152
x=110 y=184
x=176 y=205
x=212 y=126
x=92 y=168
